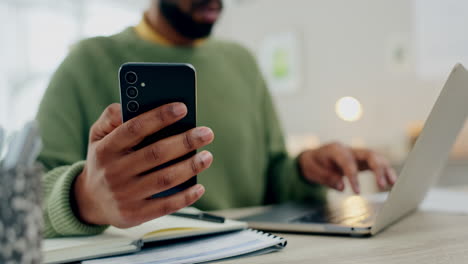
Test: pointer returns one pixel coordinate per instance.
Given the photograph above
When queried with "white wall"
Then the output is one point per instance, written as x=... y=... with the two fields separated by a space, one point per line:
x=345 y=49
x=31 y=54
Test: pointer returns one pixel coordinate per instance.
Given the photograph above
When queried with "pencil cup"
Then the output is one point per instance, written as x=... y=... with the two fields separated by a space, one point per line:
x=20 y=216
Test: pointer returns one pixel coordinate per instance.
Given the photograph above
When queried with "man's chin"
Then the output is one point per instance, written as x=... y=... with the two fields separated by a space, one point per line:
x=201 y=30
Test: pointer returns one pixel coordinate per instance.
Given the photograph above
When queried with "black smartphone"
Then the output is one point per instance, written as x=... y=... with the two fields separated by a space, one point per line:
x=145 y=86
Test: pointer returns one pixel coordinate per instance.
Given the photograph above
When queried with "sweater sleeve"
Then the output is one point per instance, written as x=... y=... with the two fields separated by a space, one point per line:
x=285 y=182
x=59 y=218
x=64 y=135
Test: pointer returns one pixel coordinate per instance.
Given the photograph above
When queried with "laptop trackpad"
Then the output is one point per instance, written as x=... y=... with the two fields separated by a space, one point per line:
x=291 y=212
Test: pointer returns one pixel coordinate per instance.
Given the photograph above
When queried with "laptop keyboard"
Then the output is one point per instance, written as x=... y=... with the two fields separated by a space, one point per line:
x=316 y=216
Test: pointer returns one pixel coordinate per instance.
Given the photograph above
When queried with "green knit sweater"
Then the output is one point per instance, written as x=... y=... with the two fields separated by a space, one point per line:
x=251 y=166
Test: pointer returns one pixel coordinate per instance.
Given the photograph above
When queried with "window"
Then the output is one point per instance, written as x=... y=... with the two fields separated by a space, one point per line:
x=39 y=34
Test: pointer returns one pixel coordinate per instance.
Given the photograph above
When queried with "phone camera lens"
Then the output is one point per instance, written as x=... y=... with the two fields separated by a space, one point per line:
x=131 y=77
x=133 y=106
x=132 y=92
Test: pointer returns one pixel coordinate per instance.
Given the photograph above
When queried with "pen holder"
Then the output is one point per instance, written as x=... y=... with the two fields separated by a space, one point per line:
x=20 y=216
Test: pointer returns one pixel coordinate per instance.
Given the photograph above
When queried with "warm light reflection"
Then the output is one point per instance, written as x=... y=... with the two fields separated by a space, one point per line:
x=355 y=209
x=349 y=109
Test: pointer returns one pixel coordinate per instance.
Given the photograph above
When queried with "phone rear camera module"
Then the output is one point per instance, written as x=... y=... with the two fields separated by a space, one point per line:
x=132 y=92
x=133 y=106
x=131 y=77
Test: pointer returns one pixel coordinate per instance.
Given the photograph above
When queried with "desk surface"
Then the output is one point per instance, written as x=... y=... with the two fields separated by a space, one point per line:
x=419 y=238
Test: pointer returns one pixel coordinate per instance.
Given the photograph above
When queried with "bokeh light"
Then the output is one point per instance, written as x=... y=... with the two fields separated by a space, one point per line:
x=349 y=109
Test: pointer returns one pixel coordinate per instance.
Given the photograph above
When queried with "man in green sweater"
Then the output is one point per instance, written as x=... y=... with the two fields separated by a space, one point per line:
x=96 y=180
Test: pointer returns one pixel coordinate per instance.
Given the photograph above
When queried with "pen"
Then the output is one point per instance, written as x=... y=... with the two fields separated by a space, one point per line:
x=202 y=216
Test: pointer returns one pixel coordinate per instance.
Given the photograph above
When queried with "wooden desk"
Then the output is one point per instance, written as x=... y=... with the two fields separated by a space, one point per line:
x=421 y=238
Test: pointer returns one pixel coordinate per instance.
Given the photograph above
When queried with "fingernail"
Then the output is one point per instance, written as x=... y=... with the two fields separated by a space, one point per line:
x=203 y=133
x=394 y=177
x=382 y=181
x=199 y=190
x=205 y=157
x=178 y=109
x=339 y=186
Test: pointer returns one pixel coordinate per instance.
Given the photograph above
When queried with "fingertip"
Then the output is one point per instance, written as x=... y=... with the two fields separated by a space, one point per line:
x=340 y=186
x=115 y=106
x=390 y=176
x=208 y=134
x=381 y=182
x=114 y=112
x=353 y=180
x=178 y=109
x=208 y=129
x=206 y=158
x=356 y=188
x=182 y=104
x=199 y=190
x=393 y=176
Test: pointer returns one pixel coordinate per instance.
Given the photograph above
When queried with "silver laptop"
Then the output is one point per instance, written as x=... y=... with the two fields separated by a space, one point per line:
x=354 y=215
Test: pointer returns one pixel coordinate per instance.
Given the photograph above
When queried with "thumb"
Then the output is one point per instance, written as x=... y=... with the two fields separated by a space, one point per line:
x=109 y=120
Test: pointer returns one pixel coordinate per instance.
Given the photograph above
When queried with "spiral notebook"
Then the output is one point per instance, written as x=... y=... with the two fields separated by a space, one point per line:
x=117 y=241
x=247 y=242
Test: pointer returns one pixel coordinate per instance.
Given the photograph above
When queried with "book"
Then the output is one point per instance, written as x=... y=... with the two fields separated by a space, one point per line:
x=247 y=242
x=115 y=241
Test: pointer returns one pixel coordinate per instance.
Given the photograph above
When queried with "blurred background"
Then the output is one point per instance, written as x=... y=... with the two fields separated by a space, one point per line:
x=364 y=72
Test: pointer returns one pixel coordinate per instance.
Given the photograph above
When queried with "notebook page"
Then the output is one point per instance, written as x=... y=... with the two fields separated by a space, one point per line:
x=59 y=250
x=201 y=250
x=170 y=222
x=105 y=240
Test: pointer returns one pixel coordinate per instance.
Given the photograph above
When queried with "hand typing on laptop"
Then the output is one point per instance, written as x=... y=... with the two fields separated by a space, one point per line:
x=328 y=164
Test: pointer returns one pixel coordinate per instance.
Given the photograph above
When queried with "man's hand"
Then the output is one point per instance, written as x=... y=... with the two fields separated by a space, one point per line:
x=327 y=165
x=113 y=188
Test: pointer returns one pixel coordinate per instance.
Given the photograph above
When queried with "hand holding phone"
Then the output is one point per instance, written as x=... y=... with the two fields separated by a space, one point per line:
x=119 y=176
x=114 y=187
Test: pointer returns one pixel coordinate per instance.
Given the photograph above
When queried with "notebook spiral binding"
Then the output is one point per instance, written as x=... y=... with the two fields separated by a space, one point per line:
x=283 y=241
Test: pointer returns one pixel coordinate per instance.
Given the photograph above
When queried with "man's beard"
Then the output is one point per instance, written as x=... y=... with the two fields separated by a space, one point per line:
x=183 y=23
